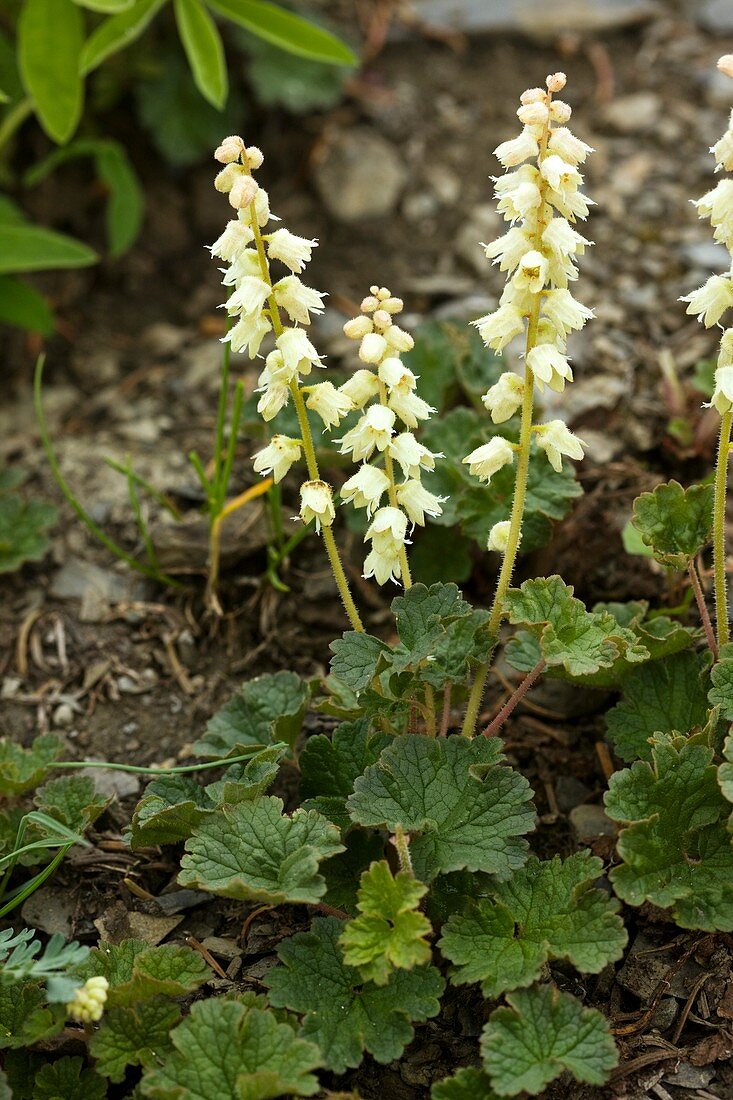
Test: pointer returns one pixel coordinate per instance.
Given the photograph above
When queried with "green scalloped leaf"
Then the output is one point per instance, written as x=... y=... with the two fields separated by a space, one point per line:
x=329 y=767
x=675 y=848
x=24 y=528
x=25 y=1018
x=268 y=709
x=72 y=800
x=67 y=1079
x=133 y=1035
x=664 y=696
x=542 y=1034
x=389 y=932
x=462 y=806
x=231 y=1050
x=137 y=972
x=675 y=522
x=545 y=911
x=23 y=769
x=253 y=852
x=468 y=1084
x=342 y=1013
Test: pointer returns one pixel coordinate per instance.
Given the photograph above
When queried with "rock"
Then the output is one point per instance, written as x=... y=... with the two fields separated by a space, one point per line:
x=177 y=901
x=51 y=910
x=602 y=392
x=361 y=176
x=118 y=923
x=665 y=1014
x=686 y=1076
x=464 y=309
x=570 y=792
x=718 y=90
x=716 y=17
x=163 y=339
x=99 y=366
x=221 y=947
x=706 y=256
x=645 y=966
x=63 y=716
x=485 y=224
x=633 y=114
x=600 y=447
x=590 y=822
x=76 y=578
x=111 y=783
x=533 y=18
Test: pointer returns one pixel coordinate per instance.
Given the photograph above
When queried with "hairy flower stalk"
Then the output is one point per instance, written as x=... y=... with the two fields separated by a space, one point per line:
x=709 y=303
x=256 y=304
x=392 y=459
x=540 y=197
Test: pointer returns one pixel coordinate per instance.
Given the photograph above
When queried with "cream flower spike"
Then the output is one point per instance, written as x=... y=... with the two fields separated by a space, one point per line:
x=386 y=390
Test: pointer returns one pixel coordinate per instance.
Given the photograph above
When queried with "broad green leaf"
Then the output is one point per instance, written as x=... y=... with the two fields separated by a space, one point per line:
x=233 y=1051
x=22 y=306
x=105 y=7
x=268 y=709
x=298 y=84
x=580 y=641
x=355 y=658
x=72 y=800
x=633 y=542
x=675 y=522
x=25 y=247
x=23 y=769
x=287 y=31
x=246 y=780
x=11 y=81
x=330 y=765
x=68 y=1078
x=467 y=1084
x=462 y=807
x=721 y=692
x=449 y=356
x=50 y=39
x=134 y=1035
x=126 y=204
x=138 y=973
x=342 y=1013
x=253 y=852
x=204 y=50
x=23 y=530
x=675 y=848
x=440 y=554
x=389 y=932
x=545 y=911
x=725 y=776
x=25 y=1017
x=543 y=1033
x=659 y=697
x=117 y=32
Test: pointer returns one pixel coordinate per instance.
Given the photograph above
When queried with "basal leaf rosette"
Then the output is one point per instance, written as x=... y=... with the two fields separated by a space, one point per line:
x=542 y=1034
x=462 y=806
x=254 y=852
x=676 y=523
x=545 y=911
x=342 y=1013
x=568 y=635
x=675 y=847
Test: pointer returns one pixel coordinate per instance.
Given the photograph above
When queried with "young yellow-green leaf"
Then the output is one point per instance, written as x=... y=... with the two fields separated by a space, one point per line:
x=343 y=1014
x=50 y=39
x=72 y=800
x=268 y=709
x=204 y=50
x=25 y=1018
x=284 y=29
x=253 y=852
x=22 y=306
x=542 y=1034
x=138 y=973
x=675 y=522
x=133 y=1035
x=580 y=641
x=25 y=247
x=461 y=805
x=22 y=769
x=330 y=765
x=467 y=1084
x=68 y=1078
x=676 y=850
x=229 y=1050
x=659 y=697
x=545 y=911
x=23 y=530
x=389 y=932
x=117 y=32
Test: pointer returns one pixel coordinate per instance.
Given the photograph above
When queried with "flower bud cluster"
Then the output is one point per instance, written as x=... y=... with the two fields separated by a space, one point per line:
x=710 y=301
x=539 y=196
x=89 y=1001
x=382 y=440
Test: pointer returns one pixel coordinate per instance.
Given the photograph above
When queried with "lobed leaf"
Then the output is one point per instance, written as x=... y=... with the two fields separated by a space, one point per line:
x=22 y=769
x=343 y=1014
x=23 y=529
x=545 y=911
x=463 y=807
x=329 y=767
x=721 y=675
x=675 y=522
x=233 y=1051
x=675 y=848
x=72 y=800
x=25 y=1018
x=543 y=1033
x=68 y=1078
x=133 y=1035
x=253 y=852
x=389 y=932
x=467 y=1084
x=138 y=973
x=265 y=710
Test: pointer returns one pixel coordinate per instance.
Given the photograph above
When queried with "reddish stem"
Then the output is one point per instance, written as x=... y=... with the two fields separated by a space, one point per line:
x=495 y=725
x=445 y=717
x=702 y=608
